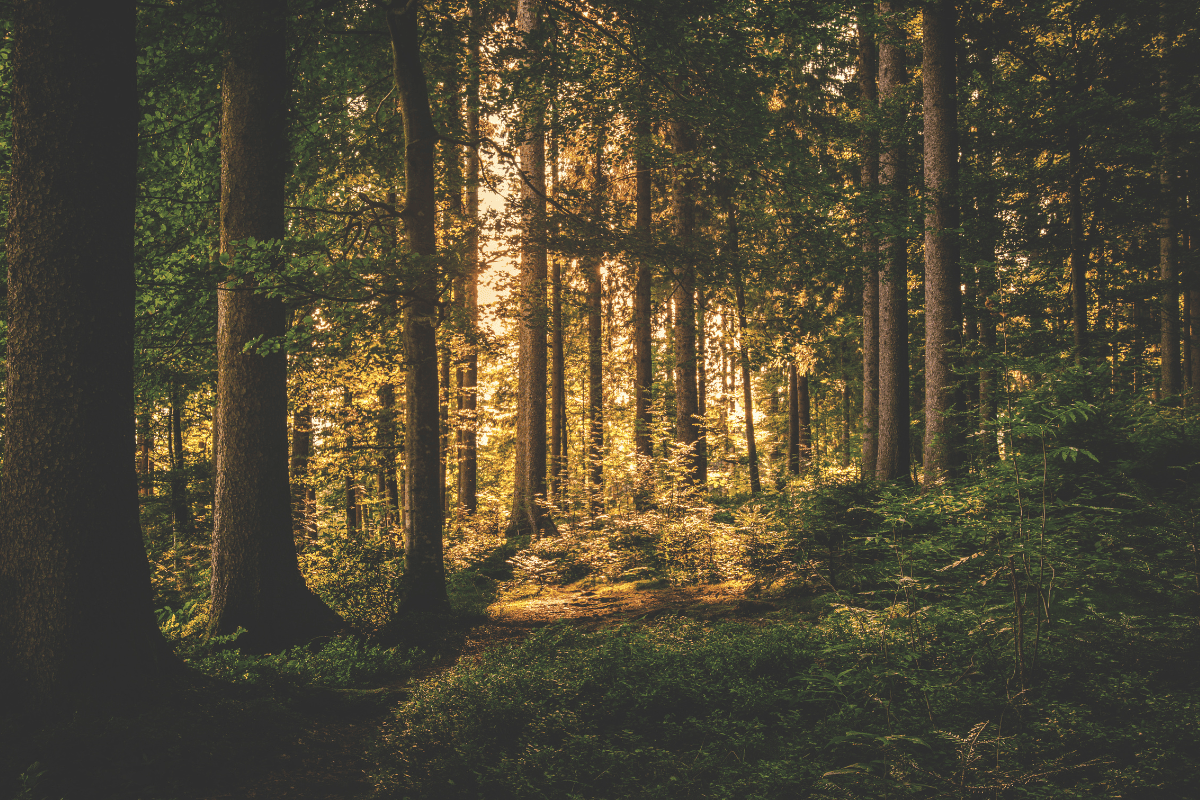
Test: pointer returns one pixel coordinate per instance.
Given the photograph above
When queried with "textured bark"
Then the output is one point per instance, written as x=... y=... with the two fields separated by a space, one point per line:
x=893 y=456
x=424 y=571
x=1168 y=269
x=642 y=322
x=183 y=524
x=145 y=445
x=701 y=386
x=868 y=69
x=804 y=407
x=529 y=516
x=732 y=245
x=943 y=281
x=75 y=600
x=256 y=583
x=468 y=469
x=350 y=495
x=385 y=438
x=444 y=428
x=793 y=456
x=683 y=207
x=591 y=264
x=558 y=393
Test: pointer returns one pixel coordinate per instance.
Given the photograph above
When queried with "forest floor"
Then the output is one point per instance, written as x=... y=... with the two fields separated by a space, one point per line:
x=330 y=754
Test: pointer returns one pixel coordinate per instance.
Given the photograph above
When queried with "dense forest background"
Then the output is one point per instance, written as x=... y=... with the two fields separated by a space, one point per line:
x=883 y=317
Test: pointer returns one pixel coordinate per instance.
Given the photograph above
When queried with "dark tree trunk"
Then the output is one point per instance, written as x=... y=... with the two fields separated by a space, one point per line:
x=592 y=264
x=1172 y=380
x=350 y=496
x=256 y=583
x=793 y=419
x=868 y=69
x=184 y=525
x=468 y=469
x=844 y=444
x=529 y=516
x=75 y=600
x=702 y=386
x=145 y=443
x=687 y=432
x=893 y=453
x=1078 y=252
x=943 y=292
x=642 y=319
x=444 y=427
x=424 y=572
x=732 y=245
x=805 y=440
x=558 y=390
x=385 y=436
x=301 y=449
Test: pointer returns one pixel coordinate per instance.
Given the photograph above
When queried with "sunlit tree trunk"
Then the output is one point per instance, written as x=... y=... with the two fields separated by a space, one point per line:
x=256 y=581
x=702 y=386
x=642 y=313
x=591 y=264
x=804 y=428
x=75 y=598
x=424 y=572
x=732 y=246
x=793 y=447
x=893 y=456
x=468 y=376
x=687 y=432
x=183 y=524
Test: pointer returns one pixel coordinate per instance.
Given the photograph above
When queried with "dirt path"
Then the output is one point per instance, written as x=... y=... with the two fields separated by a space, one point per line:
x=330 y=758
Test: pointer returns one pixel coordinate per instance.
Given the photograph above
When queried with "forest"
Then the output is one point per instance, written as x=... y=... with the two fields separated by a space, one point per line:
x=600 y=399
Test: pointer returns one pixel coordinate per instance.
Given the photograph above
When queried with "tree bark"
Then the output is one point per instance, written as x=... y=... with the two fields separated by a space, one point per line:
x=805 y=439
x=424 y=573
x=385 y=437
x=893 y=456
x=701 y=386
x=793 y=458
x=642 y=313
x=592 y=263
x=301 y=450
x=687 y=432
x=350 y=495
x=75 y=600
x=256 y=582
x=468 y=465
x=943 y=281
x=868 y=70
x=1168 y=271
x=732 y=244
x=529 y=516
x=181 y=508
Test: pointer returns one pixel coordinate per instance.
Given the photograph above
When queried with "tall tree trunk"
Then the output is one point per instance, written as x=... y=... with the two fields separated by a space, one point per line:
x=385 y=437
x=687 y=432
x=595 y=413
x=702 y=386
x=256 y=582
x=558 y=388
x=1193 y=293
x=1078 y=253
x=732 y=245
x=447 y=353
x=350 y=495
x=1172 y=381
x=424 y=573
x=75 y=597
x=183 y=524
x=793 y=457
x=468 y=465
x=805 y=438
x=642 y=312
x=844 y=444
x=145 y=449
x=943 y=293
x=893 y=454
x=868 y=70
x=529 y=516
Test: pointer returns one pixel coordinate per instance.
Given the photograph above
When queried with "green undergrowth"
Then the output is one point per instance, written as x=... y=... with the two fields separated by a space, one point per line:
x=867 y=703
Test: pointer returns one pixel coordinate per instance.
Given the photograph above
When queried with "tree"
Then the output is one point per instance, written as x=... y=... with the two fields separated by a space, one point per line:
x=683 y=209
x=868 y=69
x=893 y=273
x=592 y=264
x=468 y=375
x=75 y=614
x=424 y=572
x=943 y=305
x=256 y=582
x=642 y=307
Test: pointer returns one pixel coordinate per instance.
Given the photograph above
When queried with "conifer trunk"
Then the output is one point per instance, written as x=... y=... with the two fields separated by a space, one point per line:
x=732 y=245
x=75 y=598
x=793 y=457
x=943 y=293
x=529 y=516
x=893 y=453
x=868 y=69
x=805 y=439
x=256 y=582
x=424 y=573
x=687 y=432
x=1172 y=381
x=301 y=450
x=642 y=314
x=701 y=386
x=468 y=464
x=183 y=523
x=592 y=264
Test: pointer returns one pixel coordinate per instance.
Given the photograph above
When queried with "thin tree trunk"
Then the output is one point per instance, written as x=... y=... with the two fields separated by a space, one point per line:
x=805 y=439
x=145 y=448
x=1172 y=381
x=75 y=599
x=298 y=473
x=468 y=464
x=642 y=315
x=183 y=523
x=424 y=574
x=1078 y=254
x=385 y=436
x=743 y=350
x=943 y=293
x=529 y=516
x=893 y=452
x=844 y=445
x=595 y=412
x=687 y=432
x=444 y=426
x=256 y=581
x=868 y=69
x=702 y=386
x=793 y=457
x=351 y=487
